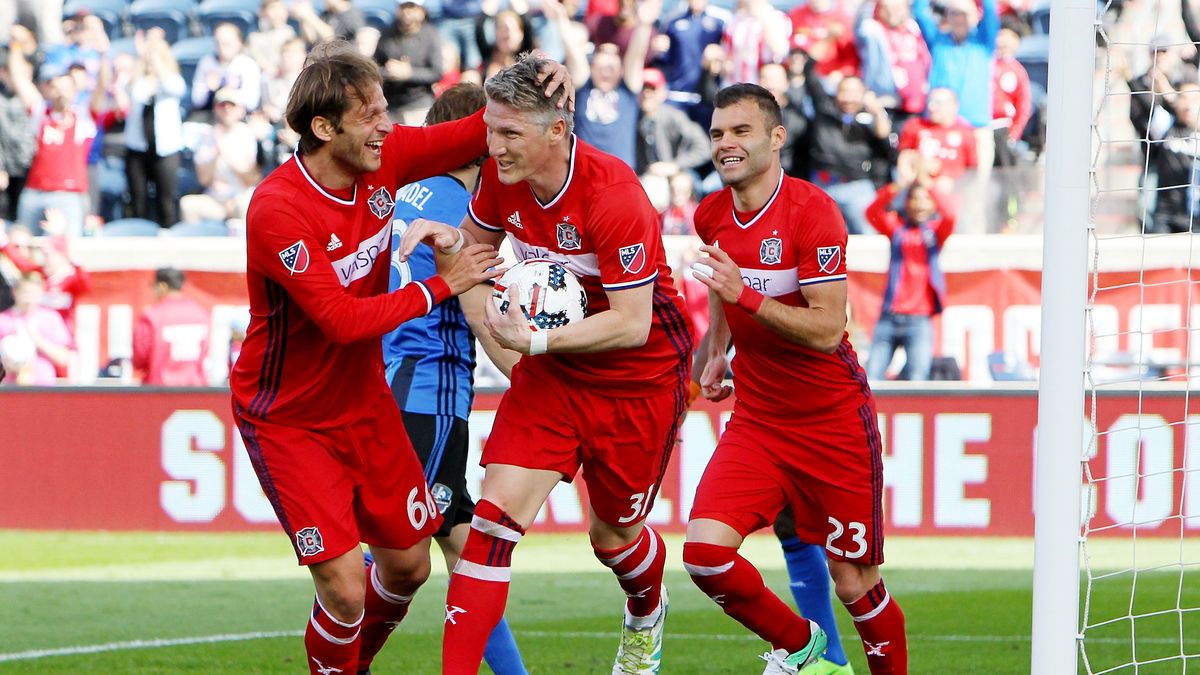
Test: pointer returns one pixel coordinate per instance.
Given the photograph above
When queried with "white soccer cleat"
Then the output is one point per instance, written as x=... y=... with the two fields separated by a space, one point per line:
x=640 y=652
x=779 y=662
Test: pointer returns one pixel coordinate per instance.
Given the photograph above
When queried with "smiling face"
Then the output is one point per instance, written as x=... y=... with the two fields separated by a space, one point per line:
x=743 y=148
x=518 y=142
x=357 y=146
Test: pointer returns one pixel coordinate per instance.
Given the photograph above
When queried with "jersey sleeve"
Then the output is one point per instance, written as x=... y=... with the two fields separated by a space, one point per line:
x=417 y=153
x=704 y=220
x=822 y=244
x=281 y=247
x=626 y=234
x=484 y=208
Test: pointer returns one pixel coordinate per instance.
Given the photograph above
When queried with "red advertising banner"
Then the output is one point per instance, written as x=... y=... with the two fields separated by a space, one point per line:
x=987 y=311
x=957 y=462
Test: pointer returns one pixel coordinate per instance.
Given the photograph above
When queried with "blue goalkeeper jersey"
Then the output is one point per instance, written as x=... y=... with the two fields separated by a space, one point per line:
x=430 y=360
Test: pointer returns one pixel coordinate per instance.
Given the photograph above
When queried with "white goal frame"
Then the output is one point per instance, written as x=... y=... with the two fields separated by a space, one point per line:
x=1060 y=435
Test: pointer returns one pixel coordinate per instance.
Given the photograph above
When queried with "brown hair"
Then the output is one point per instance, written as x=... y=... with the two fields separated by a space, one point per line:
x=736 y=93
x=455 y=103
x=335 y=76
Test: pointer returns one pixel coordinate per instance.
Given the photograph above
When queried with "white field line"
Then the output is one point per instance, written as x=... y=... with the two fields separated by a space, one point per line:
x=131 y=645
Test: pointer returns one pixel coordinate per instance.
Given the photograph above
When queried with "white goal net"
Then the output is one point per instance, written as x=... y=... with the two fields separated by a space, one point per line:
x=1139 y=590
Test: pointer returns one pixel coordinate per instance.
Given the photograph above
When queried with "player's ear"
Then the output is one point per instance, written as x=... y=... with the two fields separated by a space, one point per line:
x=558 y=129
x=778 y=138
x=323 y=128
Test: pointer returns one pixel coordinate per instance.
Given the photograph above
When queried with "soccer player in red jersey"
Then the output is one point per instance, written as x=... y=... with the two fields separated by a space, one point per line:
x=604 y=394
x=803 y=432
x=318 y=419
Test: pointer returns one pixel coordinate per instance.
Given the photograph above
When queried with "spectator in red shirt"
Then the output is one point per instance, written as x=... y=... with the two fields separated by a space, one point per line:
x=65 y=281
x=170 y=339
x=826 y=34
x=941 y=144
x=65 y=131
x=1011 y=101
x=916 y=287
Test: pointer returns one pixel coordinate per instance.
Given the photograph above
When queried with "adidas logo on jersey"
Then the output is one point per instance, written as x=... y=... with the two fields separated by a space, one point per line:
x=515 y=220
x=334 y=243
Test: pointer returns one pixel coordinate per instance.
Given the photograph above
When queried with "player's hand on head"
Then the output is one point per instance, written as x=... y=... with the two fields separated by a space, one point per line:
x=472 y=266
x=509 y=329
x=555 y=76
x=718 y=271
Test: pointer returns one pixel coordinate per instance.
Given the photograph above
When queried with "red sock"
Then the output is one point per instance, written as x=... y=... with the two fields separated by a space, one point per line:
x=384 y=611
x=478 y=588
x=330 y=643
x=734 y=584
x=880 y=624
x=639 y=570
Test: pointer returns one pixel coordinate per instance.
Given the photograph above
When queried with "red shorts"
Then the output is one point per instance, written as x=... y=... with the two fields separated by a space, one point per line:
x=335 y=488
x=830 y=474
x=622 y=444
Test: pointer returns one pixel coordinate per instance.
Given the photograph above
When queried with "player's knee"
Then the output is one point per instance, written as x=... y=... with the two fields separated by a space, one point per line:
x=852 y=581
x=343 y=602
x=405 y=578
x=706 y=563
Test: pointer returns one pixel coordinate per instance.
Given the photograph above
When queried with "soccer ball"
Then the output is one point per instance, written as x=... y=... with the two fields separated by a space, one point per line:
x=550 y=295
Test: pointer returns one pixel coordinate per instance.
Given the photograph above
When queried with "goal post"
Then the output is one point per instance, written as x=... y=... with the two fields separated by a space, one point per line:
x=1060 y=435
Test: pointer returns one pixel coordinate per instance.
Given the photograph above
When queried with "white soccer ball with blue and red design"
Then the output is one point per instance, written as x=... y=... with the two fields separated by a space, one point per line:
x=551 y=296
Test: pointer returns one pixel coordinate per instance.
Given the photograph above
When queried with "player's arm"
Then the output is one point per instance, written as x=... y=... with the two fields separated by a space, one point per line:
x=313 y=283
x=473 y=305
x=626 y=323
x=819 y=326
x=710 y=362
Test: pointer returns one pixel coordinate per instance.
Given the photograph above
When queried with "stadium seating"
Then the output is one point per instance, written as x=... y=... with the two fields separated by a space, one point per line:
x=130 y=227
x=112 y=12
x=173 y=16
x=187 y=53
x=241 y=13
x=1039 y=19
x=380 y=14
x=204 y=228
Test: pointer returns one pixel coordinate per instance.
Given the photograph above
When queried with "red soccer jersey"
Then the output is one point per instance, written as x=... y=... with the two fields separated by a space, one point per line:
x=1011 y=99
x=317 y=274
x=63 y=144
x=170 y=342
x=797 y=239
x=953 y=147
x=602 y=227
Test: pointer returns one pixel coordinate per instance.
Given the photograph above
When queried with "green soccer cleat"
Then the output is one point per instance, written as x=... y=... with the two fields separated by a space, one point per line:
x=826 y=667
x=779 y=662
x=640 y=652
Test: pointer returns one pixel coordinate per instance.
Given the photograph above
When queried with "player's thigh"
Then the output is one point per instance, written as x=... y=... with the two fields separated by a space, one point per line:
x=394 y=507
x=741 y=486
x=626 y=445
x=441 y=443
x=310 y=482
x=535 y=426
x=836 y=493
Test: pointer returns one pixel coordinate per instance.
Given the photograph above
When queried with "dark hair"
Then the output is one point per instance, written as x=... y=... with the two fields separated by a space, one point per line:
x=736 y=93
x=517 y=86
x=457 y=102
x=334 y=77
x=173 y=278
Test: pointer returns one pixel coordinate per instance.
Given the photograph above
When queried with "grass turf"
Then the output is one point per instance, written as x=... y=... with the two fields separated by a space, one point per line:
x=121 y=592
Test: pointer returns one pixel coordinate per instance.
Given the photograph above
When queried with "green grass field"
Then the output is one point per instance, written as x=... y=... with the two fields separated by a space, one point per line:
x=144 y=603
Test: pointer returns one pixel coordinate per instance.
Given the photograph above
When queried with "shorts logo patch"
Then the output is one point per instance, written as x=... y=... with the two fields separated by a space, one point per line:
x=381 y=203
x=441 y=496
x=829 y=258
x=295 y=257
x=308 y=542
x=770 y=251
x=633 y=258
x=568 y=237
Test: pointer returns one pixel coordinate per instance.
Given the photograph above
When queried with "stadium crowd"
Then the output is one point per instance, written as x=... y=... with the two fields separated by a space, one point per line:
x=161 y=116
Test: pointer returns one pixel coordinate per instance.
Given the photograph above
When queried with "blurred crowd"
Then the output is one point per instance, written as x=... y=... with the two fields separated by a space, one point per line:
x=164 y=111
x=160 y=116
